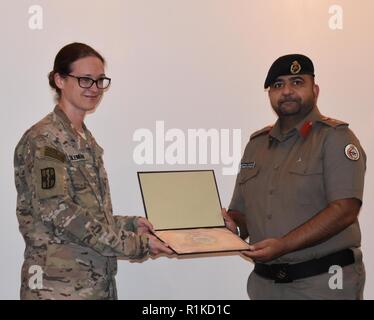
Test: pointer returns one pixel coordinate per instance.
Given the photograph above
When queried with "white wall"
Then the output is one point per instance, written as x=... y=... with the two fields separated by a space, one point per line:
x=192 y=64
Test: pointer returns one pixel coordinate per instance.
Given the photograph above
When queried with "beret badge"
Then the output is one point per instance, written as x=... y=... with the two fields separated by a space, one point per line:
x=295 y=67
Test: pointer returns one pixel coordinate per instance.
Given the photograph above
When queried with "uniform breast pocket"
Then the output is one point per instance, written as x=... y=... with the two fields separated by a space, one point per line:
x=248 y=178
x=85 y=192
x=306 y=184
x=79 y=182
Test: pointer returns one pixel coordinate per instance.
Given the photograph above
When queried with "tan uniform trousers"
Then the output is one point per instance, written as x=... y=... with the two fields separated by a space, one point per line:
x=312 y=288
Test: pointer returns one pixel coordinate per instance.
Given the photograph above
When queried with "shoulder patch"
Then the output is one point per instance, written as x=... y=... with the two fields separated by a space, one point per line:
x=351 y=151
x=260 y=132
x=53 y=153
x=333 y=122
x=48 y=178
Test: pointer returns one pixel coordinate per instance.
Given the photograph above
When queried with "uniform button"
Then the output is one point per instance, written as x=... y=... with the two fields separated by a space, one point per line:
x=276 y=167
x=269 y=216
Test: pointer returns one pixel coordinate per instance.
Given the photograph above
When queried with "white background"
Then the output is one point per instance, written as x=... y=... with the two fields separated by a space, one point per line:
x=192 y=64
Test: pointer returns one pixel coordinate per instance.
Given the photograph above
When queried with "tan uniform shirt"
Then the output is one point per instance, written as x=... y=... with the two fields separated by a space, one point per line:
x=285 y=180
x=65 y=214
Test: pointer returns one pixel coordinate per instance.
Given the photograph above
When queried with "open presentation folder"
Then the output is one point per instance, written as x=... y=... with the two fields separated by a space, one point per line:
x=185 y=210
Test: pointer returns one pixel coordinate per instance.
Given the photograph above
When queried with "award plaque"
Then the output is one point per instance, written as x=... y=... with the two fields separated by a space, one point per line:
x=185 y=210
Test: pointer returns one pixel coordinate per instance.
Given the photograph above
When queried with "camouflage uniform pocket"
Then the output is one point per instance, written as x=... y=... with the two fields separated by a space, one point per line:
x=78 y=180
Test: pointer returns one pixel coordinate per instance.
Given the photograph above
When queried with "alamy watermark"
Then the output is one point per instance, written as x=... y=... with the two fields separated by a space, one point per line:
x=336 y=19
x=36 y=17
x=336 y=280
x=36 y=280
x=196 y=146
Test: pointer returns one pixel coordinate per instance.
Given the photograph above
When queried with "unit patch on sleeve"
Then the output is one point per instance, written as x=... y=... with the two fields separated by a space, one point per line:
x=48 y=178
x=352 y=152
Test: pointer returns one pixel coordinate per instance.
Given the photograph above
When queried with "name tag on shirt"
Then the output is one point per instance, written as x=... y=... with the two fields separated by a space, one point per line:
x=77 y=157
x=248 y=165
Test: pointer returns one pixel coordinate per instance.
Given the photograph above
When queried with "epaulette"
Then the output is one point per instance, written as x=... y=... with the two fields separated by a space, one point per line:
x=260 y=132
x=333 y=122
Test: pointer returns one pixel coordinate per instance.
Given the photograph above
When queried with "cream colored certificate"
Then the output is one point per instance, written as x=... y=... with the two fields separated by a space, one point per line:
x=181 y=199
x=185 y=210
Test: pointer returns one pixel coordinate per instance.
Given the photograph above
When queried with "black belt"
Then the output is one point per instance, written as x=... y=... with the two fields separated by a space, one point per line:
x=285 y=272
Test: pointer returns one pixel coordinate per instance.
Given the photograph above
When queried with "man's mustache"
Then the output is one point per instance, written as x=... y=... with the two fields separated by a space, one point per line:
x=289 y=100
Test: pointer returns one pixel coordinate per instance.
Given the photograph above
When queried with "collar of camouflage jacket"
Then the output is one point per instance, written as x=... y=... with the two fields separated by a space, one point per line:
x=68 y=125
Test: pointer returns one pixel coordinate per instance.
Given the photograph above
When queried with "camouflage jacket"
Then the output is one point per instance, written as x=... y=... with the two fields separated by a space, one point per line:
x=65 y=212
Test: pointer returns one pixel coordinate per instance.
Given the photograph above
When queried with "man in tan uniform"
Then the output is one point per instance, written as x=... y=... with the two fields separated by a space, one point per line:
x=64 y=207
x=298 y=194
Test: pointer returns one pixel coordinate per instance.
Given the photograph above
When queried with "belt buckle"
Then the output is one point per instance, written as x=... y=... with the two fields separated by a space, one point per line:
x=281 y=273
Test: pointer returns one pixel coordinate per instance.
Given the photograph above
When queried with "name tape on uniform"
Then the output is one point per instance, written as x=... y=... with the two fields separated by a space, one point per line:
x=248 y=165
x=77 y=157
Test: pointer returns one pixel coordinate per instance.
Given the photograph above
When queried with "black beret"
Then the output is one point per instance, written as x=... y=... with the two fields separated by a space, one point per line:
x=290 y=64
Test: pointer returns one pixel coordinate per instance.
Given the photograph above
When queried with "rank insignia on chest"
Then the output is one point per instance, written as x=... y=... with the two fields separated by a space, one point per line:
x=248 y=165
x=77 y=157
x=48 y=178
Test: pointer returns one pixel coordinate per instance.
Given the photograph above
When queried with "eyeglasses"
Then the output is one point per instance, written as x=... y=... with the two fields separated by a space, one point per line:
x=86 y=82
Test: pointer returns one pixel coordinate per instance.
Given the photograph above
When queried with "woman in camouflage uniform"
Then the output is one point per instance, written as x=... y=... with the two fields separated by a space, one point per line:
x=64 y=207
